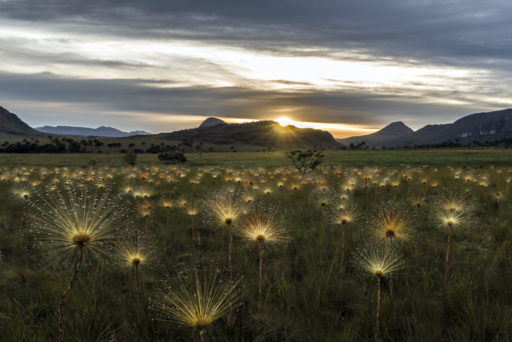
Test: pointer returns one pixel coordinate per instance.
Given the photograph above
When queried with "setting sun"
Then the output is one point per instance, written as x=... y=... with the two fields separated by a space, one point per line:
x=284 y=121
x=336 y=129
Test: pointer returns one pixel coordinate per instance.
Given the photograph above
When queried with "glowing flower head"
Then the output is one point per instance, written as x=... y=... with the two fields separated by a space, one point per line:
x=84 y=221
x=196 y=305
x=263 y=228
x=225 y=206
x=379 y=262
x=391 y=224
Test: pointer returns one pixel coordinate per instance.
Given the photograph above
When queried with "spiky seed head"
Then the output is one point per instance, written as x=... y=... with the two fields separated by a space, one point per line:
x=73 y=220
x=379 y=262
x=454 y=203
x=199 y=305
x=418 y=201
x=451 y=219
x=192 y=211
x=225 y=206
x=166 y=203
x=136 y=252
x=344 y=214
x=265 y=228
x=391 y=225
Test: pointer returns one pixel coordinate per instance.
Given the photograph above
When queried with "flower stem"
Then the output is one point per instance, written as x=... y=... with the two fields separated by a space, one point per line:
x=137 y=283
x=261 y=272
x=448 y=256
x=76 y=269
x=390 y=273
x=342 y=257
x=377 y=313
x=201 y=334
x=230 y=270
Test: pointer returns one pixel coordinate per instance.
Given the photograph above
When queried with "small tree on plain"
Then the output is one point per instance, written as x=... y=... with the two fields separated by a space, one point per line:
x=305 y=160
x=130 y=158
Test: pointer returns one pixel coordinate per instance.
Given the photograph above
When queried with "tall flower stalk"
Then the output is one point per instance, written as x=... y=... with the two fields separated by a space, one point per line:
x=389 y=226
x=76 y=225
x=227 y=209
x=380 y=264
x=136 y=254
x=263 y=230
x=450 y=221
x=451 y=217
x=342 y=216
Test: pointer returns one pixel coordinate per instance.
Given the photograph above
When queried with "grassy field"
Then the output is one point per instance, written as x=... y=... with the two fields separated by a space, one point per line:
x=435 y=157
x=428 y=248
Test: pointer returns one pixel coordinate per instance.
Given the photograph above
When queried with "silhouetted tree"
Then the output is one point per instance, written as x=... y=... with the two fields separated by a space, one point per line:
x=305 y=160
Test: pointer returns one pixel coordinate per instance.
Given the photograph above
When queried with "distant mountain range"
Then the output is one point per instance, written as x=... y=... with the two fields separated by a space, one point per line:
x=258 y=133
x=474 y=128
x=248 y=136
x=102 y=131
x=480 y=127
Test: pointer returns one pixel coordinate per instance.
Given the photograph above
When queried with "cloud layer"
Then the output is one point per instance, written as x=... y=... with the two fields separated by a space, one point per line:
x=361 y=62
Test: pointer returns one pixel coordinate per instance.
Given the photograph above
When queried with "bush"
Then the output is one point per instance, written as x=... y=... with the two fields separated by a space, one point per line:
x=172 y=157
x=130 y=158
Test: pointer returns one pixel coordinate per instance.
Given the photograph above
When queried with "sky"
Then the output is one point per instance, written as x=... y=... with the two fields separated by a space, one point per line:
x=347 y=66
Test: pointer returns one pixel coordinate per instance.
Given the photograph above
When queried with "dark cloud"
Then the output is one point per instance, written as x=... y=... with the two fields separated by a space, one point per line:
x=438 y=30
x=147 y=96
x=442 y=33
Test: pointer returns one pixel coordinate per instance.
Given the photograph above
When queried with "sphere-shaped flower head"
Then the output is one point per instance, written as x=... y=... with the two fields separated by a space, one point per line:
x=136 y=252
x=225 y=206
x=391 y=224
x=85 y=221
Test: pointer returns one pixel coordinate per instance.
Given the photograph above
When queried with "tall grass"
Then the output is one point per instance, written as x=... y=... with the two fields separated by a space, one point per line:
x=301 y=299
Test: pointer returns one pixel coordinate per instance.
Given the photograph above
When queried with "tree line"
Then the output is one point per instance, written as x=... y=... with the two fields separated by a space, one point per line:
x=69 y=145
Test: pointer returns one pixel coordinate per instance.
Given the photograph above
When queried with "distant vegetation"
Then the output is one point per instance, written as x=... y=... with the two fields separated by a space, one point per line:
x=69 y=145
x=172 y=157
x=53 y=144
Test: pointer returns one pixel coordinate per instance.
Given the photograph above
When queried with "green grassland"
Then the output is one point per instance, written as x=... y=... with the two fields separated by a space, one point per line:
x=435 y=157
x=305 y=296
